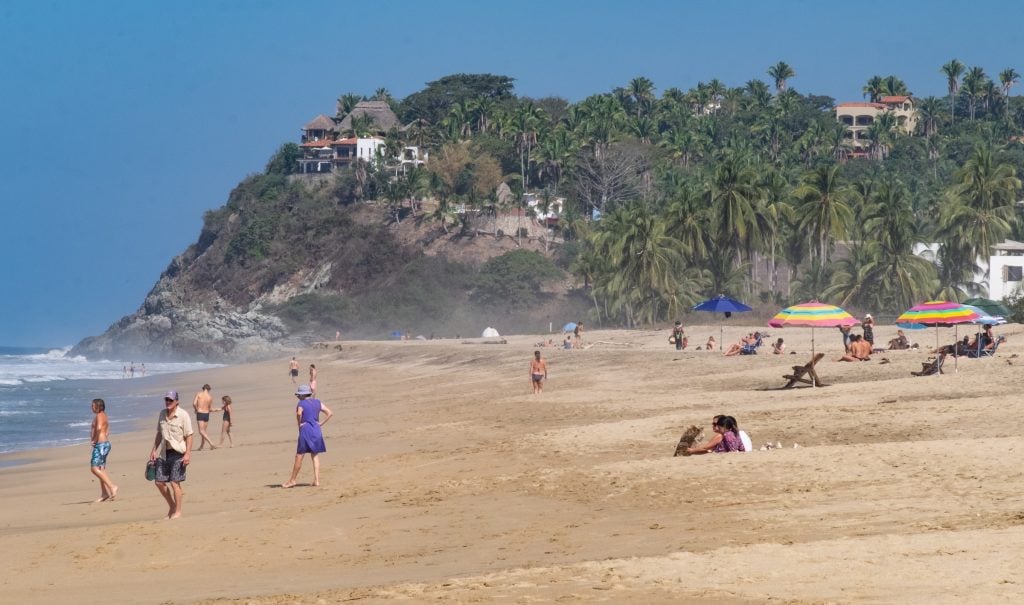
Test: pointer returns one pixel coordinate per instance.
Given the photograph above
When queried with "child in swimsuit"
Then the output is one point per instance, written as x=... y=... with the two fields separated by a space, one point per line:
x=225 y=427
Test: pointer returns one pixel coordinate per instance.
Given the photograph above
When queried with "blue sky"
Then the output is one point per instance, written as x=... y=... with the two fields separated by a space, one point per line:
x=122 y=122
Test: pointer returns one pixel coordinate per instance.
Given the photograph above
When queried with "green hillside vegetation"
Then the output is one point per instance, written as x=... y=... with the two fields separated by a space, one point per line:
x=711 y=190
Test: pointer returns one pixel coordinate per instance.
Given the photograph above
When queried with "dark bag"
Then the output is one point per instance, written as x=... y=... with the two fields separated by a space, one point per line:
x=151 y=470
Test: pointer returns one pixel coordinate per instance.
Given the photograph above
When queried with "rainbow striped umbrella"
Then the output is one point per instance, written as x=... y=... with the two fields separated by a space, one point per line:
x=941 y=314
x=815 y=315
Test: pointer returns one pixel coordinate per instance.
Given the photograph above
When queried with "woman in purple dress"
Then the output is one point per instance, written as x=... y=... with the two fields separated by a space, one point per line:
x=311 y=437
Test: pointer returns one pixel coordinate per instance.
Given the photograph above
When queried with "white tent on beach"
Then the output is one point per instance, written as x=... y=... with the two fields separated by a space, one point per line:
x=490 y=333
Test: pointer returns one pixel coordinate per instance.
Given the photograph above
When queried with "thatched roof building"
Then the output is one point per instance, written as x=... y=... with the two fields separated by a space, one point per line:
x=383 y=118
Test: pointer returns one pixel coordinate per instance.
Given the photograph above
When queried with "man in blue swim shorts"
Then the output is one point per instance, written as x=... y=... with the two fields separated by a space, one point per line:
x=101 y=449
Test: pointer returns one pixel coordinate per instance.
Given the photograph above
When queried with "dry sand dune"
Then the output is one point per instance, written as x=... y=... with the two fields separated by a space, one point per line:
x=446 y=481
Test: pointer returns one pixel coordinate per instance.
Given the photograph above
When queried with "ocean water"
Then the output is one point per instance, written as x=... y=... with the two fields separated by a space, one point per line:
x=45 y=395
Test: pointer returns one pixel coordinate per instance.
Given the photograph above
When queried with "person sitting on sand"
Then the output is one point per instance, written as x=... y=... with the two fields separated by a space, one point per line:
x=859 y=350
x=900 y=342
x=748 y=340
x=779 y=347
x=726 y=439
x=711 y=343
x=568 y=343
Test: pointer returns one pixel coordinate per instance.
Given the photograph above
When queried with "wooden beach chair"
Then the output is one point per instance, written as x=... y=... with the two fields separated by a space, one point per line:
x=805 y=374
x=930 y=368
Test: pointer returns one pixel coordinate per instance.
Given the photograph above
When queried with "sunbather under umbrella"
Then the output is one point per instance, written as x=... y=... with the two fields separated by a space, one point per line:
x=814 y=314
x=725 y=305
x=941 y=314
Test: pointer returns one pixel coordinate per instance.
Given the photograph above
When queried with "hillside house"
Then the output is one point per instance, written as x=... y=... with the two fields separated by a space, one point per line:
x=1005 y=269
x=324 y=149
x=859 y=117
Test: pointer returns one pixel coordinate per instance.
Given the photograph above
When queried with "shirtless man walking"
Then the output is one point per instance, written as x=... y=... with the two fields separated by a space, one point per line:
x=201 y=404
x=293 y=369
x=538 y=372
x=100 y=450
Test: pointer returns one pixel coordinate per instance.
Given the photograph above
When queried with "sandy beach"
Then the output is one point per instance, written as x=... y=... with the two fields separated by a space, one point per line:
x=445 y=480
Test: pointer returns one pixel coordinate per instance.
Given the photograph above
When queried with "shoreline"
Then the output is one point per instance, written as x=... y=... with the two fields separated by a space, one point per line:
x=445 y=479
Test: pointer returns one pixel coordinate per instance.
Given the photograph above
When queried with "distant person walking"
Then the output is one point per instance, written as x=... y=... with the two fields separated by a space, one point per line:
x=99 y=435
x=293 y=369
x=226 y=421
x=312 y=378
x=172 y=451
x=202 y=404
x=538 y=373
x=311 y=436
x=577 y=334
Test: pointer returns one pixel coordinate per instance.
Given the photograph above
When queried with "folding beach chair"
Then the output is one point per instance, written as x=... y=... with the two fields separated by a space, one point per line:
x=805 y=374
x=751 y=349
x=933 y=367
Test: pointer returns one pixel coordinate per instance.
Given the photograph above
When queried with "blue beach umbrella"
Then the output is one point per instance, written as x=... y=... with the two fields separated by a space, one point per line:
x=569 y=327
x=396 y=334
x=725 y=305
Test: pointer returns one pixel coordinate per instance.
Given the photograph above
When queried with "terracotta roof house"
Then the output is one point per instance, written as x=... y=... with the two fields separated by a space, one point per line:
x=858 y=118
x=383 y=118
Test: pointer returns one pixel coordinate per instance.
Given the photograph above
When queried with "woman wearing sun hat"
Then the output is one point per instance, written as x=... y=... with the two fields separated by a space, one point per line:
x=869 y=329
x=311 y=437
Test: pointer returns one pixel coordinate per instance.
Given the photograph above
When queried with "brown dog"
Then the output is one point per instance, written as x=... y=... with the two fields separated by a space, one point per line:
x=690 y=436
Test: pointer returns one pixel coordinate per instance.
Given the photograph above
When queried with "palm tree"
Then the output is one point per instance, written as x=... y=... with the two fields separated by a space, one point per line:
x=928 y=112
x=823 y=208
x=899 y=277
x=346 y=103
x=641 y=90
x=735 y=191
x=758 y=93
x=874 y=88
x=644 y=262
x=953 y=70
x=1008 y=77
x=382 y=94
x=980 y=207
x=781 y=72
x=882 y=133
x=973 y=87
x=893 y=86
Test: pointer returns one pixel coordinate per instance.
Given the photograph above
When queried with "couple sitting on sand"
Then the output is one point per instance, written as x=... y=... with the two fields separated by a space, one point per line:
x=858 y=350
x=728 y=438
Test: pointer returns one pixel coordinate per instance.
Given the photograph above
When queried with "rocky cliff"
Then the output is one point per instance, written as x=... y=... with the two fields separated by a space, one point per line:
x=283 y=263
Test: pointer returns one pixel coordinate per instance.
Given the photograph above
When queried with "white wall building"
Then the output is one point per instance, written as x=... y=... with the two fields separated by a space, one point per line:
x=1005 y=269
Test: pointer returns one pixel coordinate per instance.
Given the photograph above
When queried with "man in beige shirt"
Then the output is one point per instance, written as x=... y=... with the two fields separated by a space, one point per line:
x=173 y=443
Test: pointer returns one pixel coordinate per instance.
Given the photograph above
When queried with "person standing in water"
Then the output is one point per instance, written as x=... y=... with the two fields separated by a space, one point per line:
x=101 y=449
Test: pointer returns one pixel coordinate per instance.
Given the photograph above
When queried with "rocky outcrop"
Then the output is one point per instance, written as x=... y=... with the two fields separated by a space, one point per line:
x=169 y=327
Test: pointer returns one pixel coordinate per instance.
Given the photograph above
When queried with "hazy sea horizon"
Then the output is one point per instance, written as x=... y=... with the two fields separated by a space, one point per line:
x=45 y=395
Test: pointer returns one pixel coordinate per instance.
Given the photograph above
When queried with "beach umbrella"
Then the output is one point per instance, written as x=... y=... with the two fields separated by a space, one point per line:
x=396 y=334
x=725 y=305
x=941 y=314
x=992 y=307
x=569 y=327
x=814 y=314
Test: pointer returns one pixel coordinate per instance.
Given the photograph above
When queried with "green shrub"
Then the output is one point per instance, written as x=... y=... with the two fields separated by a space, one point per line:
x=513 y=280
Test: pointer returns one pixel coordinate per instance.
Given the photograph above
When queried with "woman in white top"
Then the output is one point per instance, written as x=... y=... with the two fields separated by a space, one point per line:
x=748 y=445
